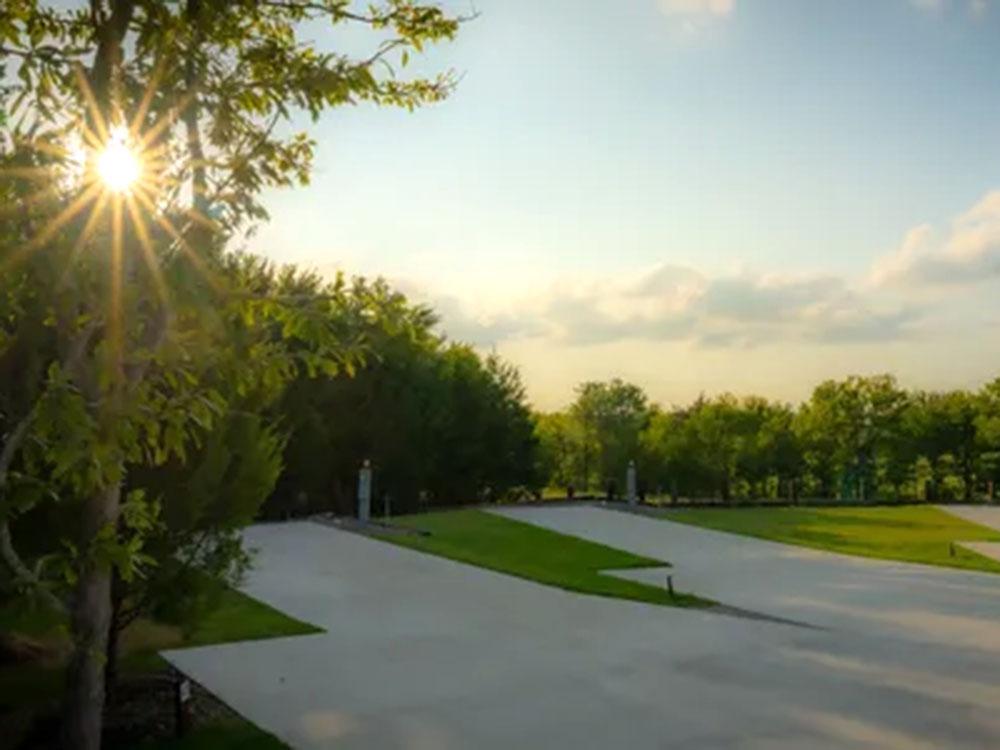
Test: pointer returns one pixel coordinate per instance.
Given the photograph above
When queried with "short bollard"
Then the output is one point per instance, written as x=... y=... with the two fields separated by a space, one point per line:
x=670 y=586
x=182 y=704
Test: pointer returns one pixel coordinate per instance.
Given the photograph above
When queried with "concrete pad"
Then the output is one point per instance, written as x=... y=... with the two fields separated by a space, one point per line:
x=821 y=588
x=422 y=652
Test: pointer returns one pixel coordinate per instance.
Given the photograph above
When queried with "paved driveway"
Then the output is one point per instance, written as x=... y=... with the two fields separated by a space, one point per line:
x=986 y=515
x=421 y=652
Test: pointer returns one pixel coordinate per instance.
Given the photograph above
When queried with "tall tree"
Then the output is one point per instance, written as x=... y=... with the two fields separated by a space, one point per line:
x=130 y=279
x=437 y=420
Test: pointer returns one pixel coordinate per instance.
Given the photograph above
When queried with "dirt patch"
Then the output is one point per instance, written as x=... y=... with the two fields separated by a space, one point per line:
x=22 y=649
x=142 y=710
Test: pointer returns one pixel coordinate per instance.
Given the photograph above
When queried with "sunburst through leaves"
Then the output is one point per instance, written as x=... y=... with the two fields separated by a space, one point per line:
x=117 y=165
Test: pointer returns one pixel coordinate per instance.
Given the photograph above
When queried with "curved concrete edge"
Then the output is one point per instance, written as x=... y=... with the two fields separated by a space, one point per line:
x=986 y=549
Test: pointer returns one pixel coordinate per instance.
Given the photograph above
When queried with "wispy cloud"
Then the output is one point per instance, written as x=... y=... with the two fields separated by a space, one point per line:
x=672 y=303
x=717 y=8
x=977 y=8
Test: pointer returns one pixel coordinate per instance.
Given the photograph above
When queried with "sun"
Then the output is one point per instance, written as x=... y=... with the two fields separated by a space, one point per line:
x=118 y=165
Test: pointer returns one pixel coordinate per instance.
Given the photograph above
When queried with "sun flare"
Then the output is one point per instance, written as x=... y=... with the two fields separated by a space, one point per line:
x=118 y=165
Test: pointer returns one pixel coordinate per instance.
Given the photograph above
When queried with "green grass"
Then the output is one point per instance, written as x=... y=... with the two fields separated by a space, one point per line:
x=239 y=617
x=228 y=735
x=236 y=617
x=909 y=533
x=527 y=551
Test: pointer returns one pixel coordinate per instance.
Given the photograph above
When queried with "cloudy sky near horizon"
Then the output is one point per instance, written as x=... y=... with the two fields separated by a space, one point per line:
x=695 y=195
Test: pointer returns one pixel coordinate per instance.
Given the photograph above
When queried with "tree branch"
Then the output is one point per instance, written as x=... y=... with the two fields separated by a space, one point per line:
x=22 y=572
x=46 y=52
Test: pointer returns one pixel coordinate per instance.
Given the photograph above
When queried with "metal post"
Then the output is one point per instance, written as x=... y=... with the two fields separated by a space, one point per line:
x=182 y=704
x=365 y=492
x=630 y=493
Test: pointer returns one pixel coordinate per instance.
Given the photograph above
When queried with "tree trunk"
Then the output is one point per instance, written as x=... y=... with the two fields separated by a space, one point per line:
x=90 y=620
x=114 y=636
x=968 y=478
x=90 y=610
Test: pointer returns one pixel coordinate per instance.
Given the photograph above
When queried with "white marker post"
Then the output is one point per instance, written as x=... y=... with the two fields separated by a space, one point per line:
x=365 y=492
x=630 y=493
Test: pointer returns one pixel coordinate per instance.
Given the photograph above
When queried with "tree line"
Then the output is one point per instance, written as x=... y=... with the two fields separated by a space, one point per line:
x=857 y=439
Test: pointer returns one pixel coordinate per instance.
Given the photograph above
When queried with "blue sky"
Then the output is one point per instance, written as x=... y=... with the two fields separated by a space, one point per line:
x=697 y=195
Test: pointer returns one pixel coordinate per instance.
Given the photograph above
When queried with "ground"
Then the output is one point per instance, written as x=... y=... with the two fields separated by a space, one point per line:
x=422 y=651
x=529 y=551
x=914 y=533
x=32 y=690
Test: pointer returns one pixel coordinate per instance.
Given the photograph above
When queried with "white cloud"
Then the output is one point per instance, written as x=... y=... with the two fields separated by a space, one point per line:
x=967 y=254
x=729 y=310
x=718 y=8
x=670 y=303
x=483 y=329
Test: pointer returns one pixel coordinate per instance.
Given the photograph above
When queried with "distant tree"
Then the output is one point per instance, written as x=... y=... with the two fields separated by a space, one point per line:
x=988 y=435
x=857 y=438
x=560 y=444
x=770 y=460
x=845 y=425
x=671 y=457
x=611 y=416
x=943 y=430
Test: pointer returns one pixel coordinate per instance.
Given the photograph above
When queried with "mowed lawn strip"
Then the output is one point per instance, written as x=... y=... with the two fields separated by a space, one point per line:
x=907 y=533
x=527 y=551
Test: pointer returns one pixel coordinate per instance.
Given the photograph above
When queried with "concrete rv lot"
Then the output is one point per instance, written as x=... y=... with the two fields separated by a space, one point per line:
x=422 y=652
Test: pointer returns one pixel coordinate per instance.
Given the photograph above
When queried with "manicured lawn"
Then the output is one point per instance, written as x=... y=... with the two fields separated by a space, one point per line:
x=527 y=551
x=909 y=533
x=27 y=688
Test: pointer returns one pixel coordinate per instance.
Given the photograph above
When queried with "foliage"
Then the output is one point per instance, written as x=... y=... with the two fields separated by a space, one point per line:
x=859 y=439
x=920 y=534
x=437 y=420
x=137 y=334
x=29 y=688
x=206 y=501
x=528 y=551
x=591 y=444
x=560 y=443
